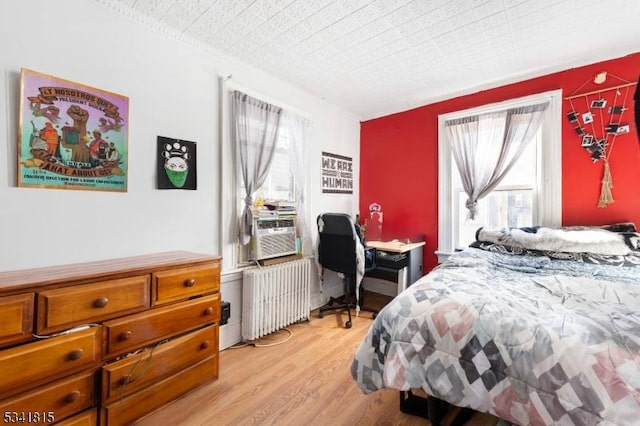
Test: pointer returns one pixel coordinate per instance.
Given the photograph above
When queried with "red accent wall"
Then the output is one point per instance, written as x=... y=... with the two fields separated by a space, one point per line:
x=399 y=158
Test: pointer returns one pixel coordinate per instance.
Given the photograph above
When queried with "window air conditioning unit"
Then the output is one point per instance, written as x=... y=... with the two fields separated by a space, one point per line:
x=273 y=237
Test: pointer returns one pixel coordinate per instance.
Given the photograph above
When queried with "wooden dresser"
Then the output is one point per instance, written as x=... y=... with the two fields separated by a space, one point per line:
x=106 y=342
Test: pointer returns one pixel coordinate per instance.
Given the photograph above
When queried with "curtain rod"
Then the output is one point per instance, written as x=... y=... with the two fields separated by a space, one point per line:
x=229 y=83
x=599 y=91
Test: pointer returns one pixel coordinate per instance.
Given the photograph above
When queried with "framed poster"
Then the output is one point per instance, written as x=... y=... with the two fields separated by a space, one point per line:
x=71 y=136
x=176 y=165
x=337 y=174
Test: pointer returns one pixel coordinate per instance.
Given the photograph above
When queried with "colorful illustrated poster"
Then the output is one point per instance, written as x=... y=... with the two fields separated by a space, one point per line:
x=71 y=136
x=176 y=164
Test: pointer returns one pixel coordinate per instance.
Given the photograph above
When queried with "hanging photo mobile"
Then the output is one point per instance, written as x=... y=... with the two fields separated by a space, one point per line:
x=587 y=140
x=612 y=129
x=600 y=125
x=622 y=130
x=597 y=150
x=176 y=164
x=587 y=118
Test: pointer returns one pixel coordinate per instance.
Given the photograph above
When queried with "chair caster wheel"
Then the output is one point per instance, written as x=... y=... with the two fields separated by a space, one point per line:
x=375 y=315
x=320 y=315
x=348 y=324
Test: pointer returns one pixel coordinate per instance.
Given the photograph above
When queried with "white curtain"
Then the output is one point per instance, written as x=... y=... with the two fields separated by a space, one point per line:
x=255 y=126
x=485 y=147
x=297 y=127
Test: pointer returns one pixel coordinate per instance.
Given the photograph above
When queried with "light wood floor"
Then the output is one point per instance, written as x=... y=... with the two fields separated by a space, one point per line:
x=305 y=381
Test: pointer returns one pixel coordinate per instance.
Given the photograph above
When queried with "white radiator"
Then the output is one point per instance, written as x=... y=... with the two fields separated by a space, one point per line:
x=274 y=297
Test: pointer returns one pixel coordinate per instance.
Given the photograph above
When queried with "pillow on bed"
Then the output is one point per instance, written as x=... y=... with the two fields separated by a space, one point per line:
x=632 y=259
x=613 y=227
x=621 y=227
x=593 y=240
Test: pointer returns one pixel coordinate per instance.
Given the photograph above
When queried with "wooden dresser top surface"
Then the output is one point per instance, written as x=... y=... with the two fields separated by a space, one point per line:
x=26 y=279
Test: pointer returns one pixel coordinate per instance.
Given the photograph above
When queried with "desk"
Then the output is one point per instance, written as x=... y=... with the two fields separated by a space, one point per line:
x=398 y=262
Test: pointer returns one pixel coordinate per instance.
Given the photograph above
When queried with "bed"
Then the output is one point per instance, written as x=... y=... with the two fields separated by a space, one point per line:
x=537 y=326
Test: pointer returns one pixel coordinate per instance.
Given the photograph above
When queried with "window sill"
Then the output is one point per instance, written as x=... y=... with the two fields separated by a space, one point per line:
x=442 y=255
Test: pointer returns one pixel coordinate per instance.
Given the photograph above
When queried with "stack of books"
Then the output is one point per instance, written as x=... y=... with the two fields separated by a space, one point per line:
x=263 y=212
x=281 y=206
x=277 y=208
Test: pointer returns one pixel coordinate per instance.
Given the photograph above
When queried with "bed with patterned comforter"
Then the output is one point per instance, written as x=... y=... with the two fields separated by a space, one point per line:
x=527 y=333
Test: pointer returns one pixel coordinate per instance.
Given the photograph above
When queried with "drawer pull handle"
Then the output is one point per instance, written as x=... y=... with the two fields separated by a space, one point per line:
x=126 y=379
x=208 y=311
x=124 y=336
x=204 y=345
x=101 y=302
x=75 y=355
x=72 y=397
x=190 y=282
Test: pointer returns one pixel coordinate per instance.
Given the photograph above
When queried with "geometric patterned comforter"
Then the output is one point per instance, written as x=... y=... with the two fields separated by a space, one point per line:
x=532 y=340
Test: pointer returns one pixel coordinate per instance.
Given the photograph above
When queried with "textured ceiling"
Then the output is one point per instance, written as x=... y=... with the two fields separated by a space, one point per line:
x=376 y=57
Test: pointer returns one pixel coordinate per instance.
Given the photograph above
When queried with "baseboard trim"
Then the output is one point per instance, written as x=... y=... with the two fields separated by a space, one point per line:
x=230 y=334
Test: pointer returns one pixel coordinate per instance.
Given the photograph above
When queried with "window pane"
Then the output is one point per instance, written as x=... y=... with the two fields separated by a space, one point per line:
x=523 y=171
x=496 y=210
x=279 y=183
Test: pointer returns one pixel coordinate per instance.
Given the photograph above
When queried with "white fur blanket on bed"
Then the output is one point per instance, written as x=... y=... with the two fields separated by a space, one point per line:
x=593 y=240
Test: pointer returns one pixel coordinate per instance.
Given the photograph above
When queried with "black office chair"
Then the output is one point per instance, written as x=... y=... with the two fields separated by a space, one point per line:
x=337 y=251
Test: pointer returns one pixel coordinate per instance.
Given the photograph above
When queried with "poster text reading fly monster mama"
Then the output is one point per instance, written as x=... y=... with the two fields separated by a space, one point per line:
x=71 y=136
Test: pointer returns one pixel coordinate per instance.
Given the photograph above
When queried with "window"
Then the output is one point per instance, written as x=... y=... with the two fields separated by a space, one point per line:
x=509 y=204
x=285 y=177
x=280 y=182
x=529 y=194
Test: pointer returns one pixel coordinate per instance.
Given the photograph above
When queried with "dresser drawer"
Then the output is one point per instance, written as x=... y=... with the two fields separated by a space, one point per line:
x=126 y=334
x=86 y=418
x=125 y=411
x=16 y=318
x=55 y=401
x=33 y=364
x=129 y=375
x=180 y=284
x=63 y=308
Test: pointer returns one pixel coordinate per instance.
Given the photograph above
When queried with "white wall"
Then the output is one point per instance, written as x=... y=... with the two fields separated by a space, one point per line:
x=171 y=90
x=172 y=87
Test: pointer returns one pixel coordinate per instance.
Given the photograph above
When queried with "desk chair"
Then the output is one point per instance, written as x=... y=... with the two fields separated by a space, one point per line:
x=341 y=249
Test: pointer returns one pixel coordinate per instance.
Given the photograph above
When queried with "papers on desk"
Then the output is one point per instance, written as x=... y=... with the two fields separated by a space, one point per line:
x=396 y=243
